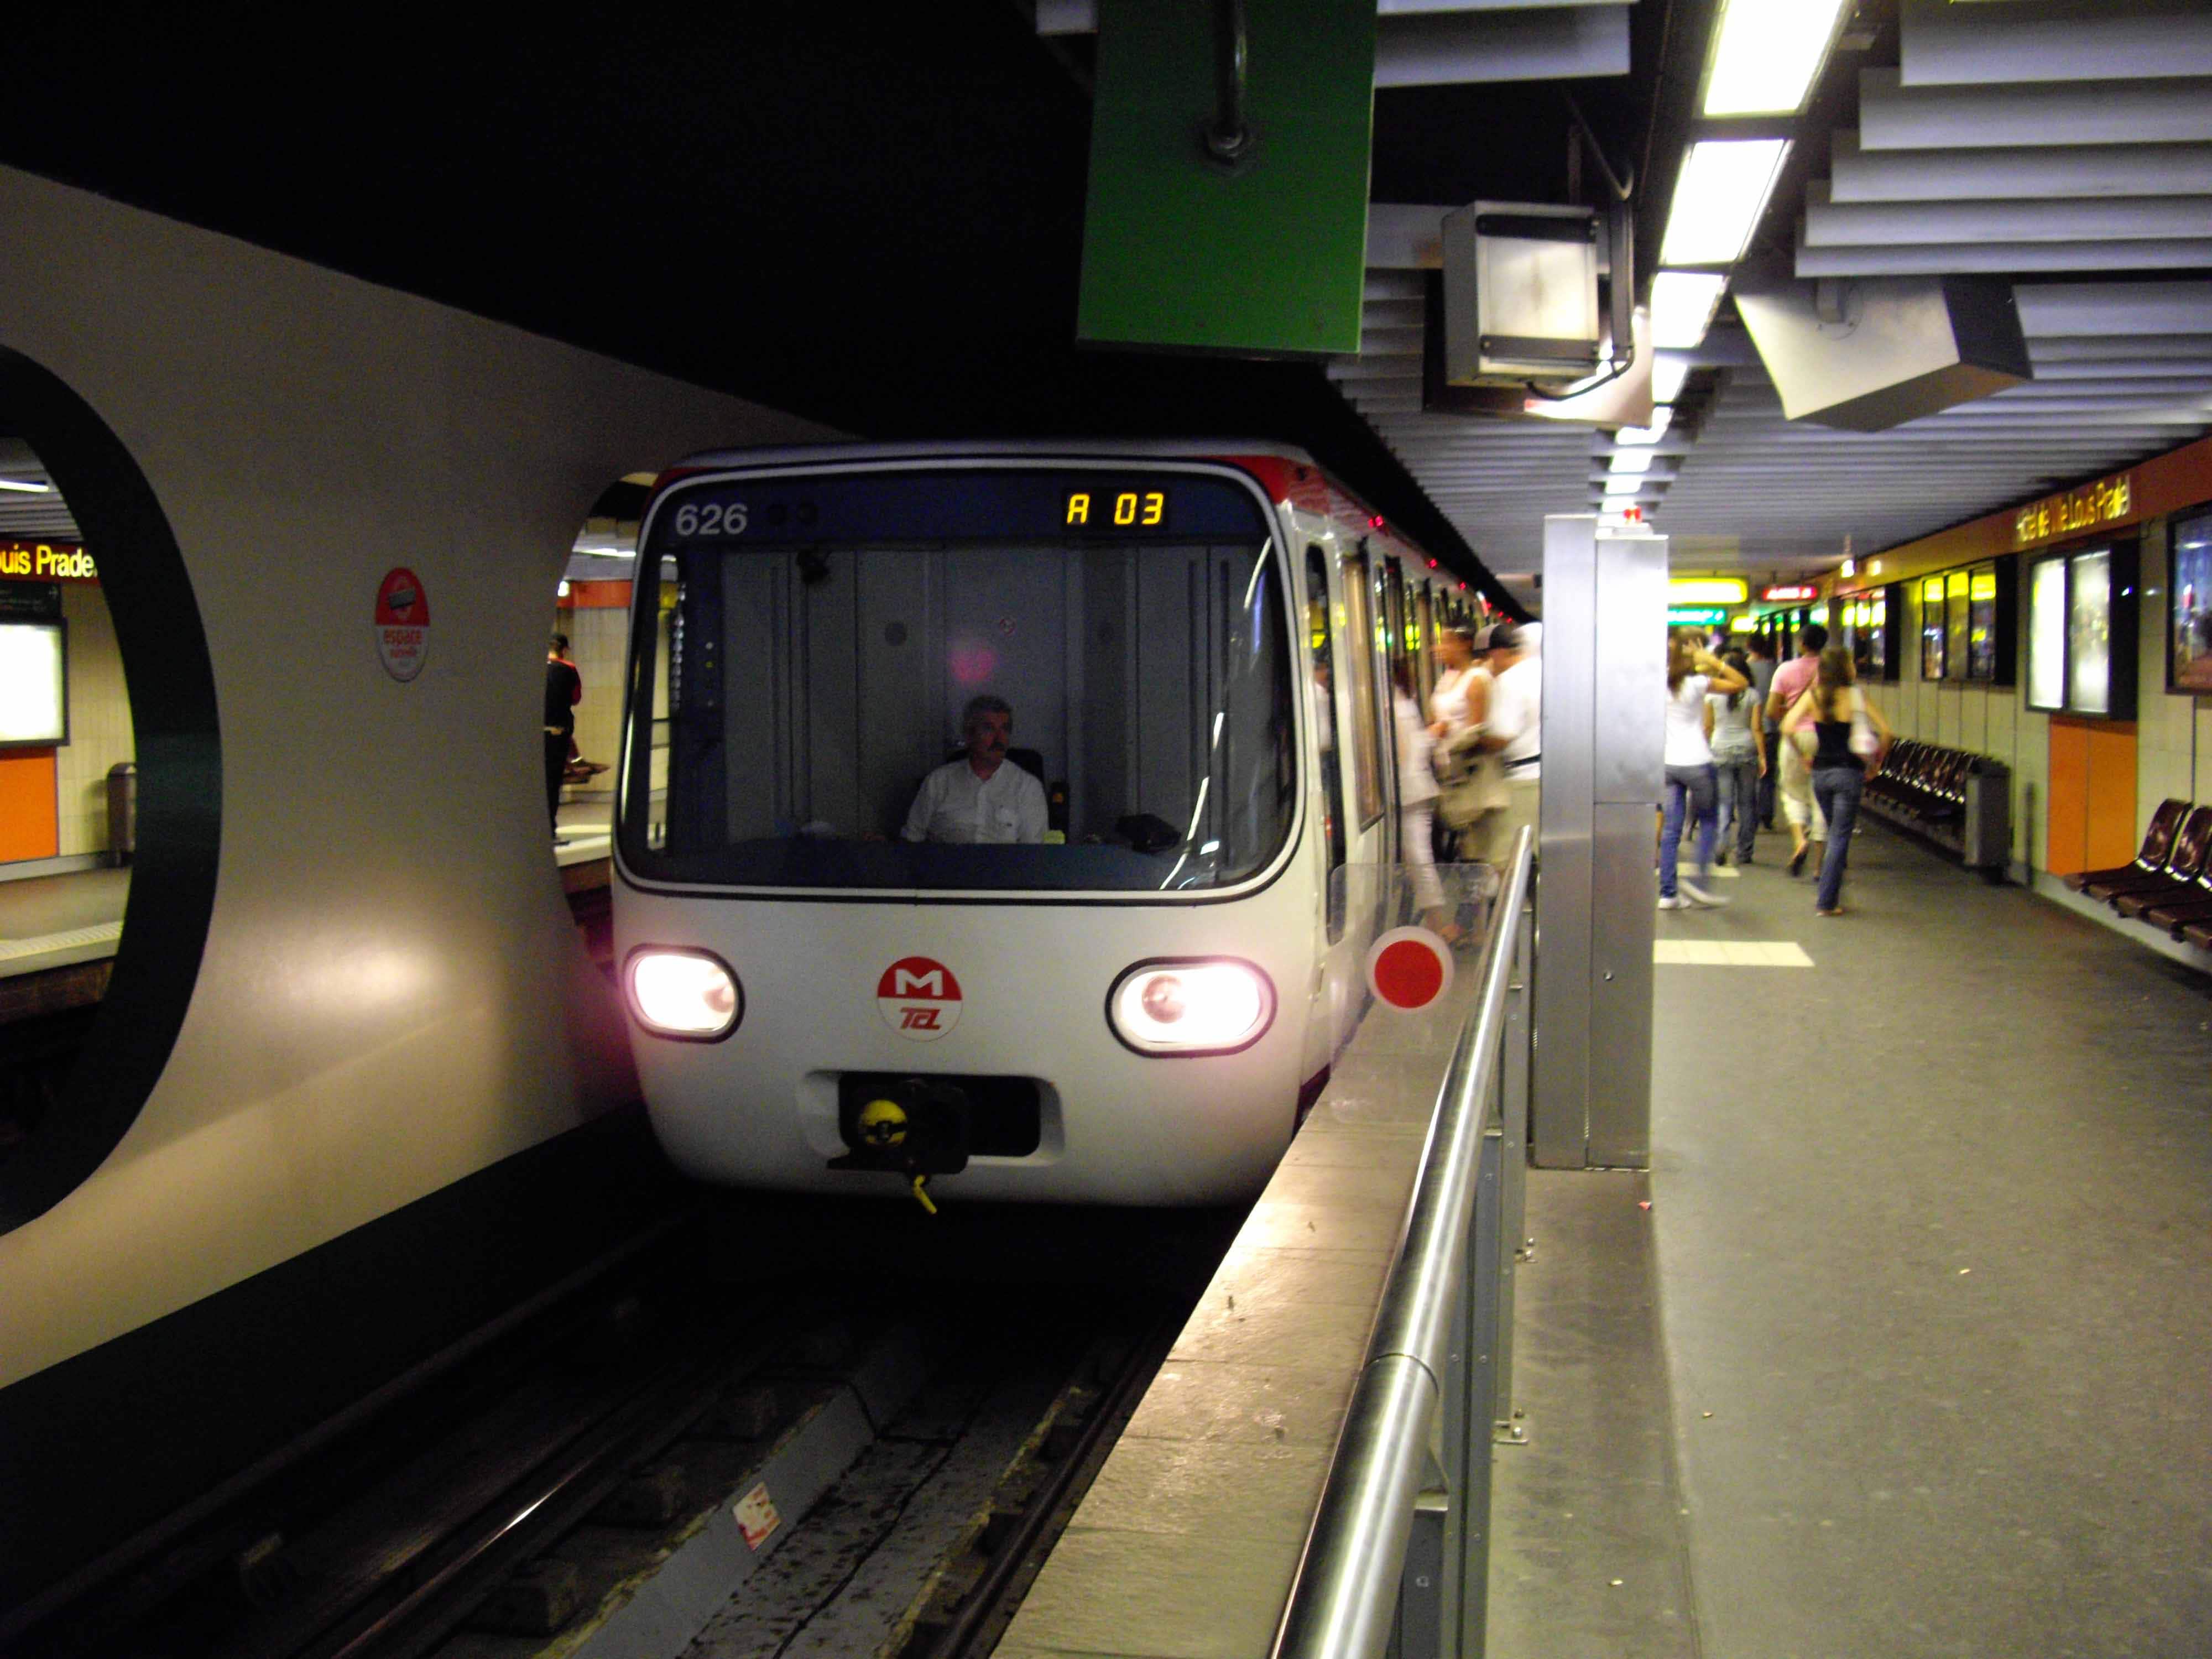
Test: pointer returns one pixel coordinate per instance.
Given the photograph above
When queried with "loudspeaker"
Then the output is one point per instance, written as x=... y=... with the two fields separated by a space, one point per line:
x=1868 y=353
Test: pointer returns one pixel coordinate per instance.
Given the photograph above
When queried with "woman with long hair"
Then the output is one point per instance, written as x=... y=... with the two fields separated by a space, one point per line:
x=1732 y=725
x=1692 y=787
x=1850 y=736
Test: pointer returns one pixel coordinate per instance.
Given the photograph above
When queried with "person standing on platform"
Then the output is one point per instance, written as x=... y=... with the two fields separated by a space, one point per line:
x=1850 y=738
x=1515 y=732
x=1808 y=828
x=1417 y=803
x=1732 y=723
x=1471 y=789
x=1693 y=788
x=564 y=689
x=1762 y=685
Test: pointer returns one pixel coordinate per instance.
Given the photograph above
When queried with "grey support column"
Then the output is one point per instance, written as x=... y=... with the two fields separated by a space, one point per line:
x=1604 y=653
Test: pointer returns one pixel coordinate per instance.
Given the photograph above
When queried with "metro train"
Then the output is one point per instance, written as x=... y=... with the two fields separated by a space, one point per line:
x=1195 y=644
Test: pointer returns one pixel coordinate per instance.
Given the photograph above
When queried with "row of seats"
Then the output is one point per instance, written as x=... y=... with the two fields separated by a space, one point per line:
x=2169 y=884
x=1933 y=790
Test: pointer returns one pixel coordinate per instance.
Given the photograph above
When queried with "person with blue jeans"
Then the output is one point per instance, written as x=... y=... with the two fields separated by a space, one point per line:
x=1850 y=736
x=1693 y=785
x=1732 y=723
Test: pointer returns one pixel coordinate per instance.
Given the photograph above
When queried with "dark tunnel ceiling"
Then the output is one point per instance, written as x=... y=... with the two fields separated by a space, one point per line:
x=868 y=217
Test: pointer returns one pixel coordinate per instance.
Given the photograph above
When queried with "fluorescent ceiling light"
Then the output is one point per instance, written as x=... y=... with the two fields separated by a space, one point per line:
x=1626 y=484
x=23 y=486
x=1768 y=54
x=1682 y=306
x=1662 y=418
x=1668 y=374
x=1718 y=196
x=1630 y=460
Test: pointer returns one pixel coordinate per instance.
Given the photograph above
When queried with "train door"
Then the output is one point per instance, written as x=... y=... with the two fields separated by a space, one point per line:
x=1424 y=643
x=1321 y=635
x=1370 y=839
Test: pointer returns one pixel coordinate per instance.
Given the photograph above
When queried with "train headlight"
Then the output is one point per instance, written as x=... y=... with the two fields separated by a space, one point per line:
x=684 y=992
x=1205 y=1006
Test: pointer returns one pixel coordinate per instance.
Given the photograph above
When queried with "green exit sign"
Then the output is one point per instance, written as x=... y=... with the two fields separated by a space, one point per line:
x=1697 y=615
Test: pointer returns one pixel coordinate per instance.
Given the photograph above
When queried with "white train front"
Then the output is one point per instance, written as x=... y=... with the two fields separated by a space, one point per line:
x=1131 y=1011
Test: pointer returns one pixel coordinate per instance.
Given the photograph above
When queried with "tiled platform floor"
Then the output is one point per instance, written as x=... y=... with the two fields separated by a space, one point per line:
x=1912 y=1353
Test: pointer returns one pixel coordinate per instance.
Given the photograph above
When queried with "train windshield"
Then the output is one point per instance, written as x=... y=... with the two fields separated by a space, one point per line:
x=994 y=680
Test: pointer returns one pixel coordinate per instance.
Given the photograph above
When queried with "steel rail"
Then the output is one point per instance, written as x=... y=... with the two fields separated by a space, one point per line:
x=1343 y=1600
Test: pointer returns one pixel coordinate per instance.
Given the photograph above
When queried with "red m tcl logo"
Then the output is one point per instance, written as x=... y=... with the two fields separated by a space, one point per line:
x=919 y=997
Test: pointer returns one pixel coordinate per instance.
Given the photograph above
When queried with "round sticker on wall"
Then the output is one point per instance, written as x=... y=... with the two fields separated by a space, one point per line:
x=919 y=997
x=403 y=624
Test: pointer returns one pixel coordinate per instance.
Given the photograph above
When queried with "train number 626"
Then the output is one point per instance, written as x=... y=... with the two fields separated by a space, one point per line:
x=714 y=519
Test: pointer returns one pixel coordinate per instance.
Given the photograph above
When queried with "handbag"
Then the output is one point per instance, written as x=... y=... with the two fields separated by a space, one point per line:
x=1866 y=742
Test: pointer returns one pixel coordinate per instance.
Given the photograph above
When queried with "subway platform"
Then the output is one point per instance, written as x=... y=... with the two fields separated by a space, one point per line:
x=1908 y=1353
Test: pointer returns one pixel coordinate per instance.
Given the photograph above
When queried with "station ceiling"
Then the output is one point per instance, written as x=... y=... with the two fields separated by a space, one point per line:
x=873 y=216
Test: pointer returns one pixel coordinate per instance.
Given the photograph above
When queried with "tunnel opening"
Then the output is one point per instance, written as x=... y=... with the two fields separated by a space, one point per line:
x=110 y=786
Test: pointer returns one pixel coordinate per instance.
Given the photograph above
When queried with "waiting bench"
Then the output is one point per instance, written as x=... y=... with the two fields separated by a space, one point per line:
x=1959 y=800
x=2168 y=886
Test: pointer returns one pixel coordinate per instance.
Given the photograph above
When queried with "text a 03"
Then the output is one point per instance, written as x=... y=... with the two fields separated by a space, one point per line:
x=711 y=518
x=1129 y=508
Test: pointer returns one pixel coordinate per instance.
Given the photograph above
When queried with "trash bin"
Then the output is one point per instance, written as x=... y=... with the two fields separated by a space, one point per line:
x=1986 y=841
x=122 y=811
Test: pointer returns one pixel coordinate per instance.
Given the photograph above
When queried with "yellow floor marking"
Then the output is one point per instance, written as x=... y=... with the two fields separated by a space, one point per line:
x=1728 y=953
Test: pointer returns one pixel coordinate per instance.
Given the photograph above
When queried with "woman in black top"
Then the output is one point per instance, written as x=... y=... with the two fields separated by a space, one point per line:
x=1833 y=708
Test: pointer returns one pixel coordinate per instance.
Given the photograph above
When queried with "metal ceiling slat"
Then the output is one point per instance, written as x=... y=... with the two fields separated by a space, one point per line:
x=1893 y=116
x=2075 y=219
x=1857 y=175
x=1940 y=44
x=1949 y=259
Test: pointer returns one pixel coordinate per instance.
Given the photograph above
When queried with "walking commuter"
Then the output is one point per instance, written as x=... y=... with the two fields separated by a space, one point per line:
x=1732 y=723
x=1693 y=788
x=1515 y=732
x=1417 y=805
x=1808 y=828
x=1762 y=683
x=1850 y=738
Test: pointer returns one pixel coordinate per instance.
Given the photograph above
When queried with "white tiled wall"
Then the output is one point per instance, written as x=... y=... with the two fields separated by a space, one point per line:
x=597 y=643
x=100 y=722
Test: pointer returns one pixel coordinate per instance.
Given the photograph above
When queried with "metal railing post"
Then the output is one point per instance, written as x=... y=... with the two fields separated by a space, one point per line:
x=1509 y=1426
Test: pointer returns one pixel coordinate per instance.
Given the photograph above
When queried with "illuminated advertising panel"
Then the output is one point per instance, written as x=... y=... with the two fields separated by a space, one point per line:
x=34 y=685
x=2189 y=664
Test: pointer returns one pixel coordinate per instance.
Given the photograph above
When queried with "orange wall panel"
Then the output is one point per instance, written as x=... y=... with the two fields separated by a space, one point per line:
x=2110 y=839
x=2066 y=814
x=29 y=828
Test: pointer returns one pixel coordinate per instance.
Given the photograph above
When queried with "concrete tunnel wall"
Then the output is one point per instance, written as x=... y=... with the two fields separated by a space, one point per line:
x=391 y=963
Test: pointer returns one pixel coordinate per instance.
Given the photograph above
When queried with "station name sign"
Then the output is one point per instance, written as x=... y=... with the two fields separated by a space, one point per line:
x=2108 y=500
x=1789 y=594
x=46 y=562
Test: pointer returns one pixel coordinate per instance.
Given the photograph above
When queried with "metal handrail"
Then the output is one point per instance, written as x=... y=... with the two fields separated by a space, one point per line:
x=1345 y=1599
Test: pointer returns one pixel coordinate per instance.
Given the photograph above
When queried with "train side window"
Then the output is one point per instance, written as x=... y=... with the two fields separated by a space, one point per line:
x=1321 y=636
x=1359 y=639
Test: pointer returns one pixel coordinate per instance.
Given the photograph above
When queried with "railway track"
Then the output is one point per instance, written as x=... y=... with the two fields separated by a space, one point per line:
x=679 y=1465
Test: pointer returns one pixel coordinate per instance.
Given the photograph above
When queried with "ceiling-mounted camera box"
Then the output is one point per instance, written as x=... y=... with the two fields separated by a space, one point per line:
x=1520 y=293
x=1866 y=354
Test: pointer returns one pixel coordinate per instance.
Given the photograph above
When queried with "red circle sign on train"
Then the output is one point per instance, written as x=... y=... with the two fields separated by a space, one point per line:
x=403 y=624
x=919 y=997
x=1409 y=968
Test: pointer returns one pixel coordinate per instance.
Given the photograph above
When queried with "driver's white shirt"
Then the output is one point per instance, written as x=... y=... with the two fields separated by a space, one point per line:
x=954 y=805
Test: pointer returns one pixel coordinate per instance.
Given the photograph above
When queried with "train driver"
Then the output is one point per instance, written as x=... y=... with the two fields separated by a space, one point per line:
x=980 y=797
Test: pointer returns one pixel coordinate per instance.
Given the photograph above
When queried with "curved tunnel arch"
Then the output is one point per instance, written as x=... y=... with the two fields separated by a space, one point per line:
x=171 y=683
